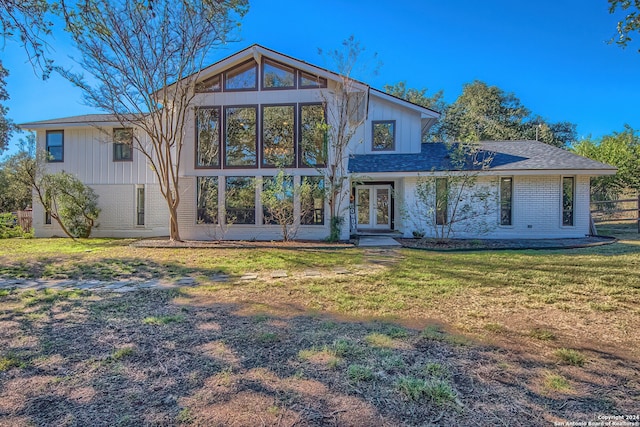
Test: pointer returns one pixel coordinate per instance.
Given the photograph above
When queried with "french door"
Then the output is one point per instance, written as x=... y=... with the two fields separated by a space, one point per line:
x=373 y=207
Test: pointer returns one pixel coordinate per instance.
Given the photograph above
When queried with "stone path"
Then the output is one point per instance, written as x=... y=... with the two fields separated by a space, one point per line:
x=378 y=256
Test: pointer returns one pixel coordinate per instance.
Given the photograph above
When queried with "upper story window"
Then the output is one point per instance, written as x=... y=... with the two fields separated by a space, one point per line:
x=277 y=76
x=313 y=135
x=211 y=84
x=122 y=144
x=309 y=81
x=506 y=200
x=568 y=198
x=384 y=135
x=208 y=137
x=55 y=145
x=278 y=148
x=242 y=77
x=240 y=137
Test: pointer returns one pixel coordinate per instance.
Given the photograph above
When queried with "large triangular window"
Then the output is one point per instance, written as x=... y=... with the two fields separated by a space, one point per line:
x=277 y=76
x=242 y=77
x=211 y=84
x=308 y=81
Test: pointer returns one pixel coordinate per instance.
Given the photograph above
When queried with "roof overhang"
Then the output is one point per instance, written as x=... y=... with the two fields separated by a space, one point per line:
x=492 y=172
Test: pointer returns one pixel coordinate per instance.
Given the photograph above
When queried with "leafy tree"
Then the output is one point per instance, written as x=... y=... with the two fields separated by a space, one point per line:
x=15 y=194
x=74 y=204
x=630 y=23
x=143 y=58
x=419 y=96
x=346 y=105
x=620 y=149
x=7 y=127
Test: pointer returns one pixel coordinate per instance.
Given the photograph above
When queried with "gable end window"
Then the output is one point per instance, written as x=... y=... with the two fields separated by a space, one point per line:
x=211 y=84
x=506 y=201
x=384 y=135
x=242 y=77
x=568 y=201
x=278 y=135
x=55 y=146
x=122 y=145
x=277 y=76
x=309 y=81
x=313 y=135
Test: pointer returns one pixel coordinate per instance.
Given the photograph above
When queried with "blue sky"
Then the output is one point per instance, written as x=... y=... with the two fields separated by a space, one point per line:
x=552 y=54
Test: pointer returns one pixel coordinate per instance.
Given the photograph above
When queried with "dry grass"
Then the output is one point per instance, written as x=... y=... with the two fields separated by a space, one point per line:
x=453 y=339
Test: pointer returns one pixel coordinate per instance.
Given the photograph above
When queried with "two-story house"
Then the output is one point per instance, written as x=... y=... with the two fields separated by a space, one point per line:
x=258 y=111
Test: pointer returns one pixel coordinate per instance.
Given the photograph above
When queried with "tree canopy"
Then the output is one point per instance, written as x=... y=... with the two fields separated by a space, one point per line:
x=628 y=25
x=486 y=113
x=619 y=149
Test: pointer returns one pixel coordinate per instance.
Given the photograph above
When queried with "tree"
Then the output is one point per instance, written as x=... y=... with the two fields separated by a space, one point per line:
x=455 y=202
x=65 y=199
x=15 y=194
x=487 y=113
x=346 y=104
x=143 y=58
x=620 y=149
x=25 y=20
x=630 y=23
x=278 y=196
x=419 y=96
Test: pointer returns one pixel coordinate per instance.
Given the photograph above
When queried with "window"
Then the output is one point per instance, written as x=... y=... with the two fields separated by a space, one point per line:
x=309 y=81
x=313 y=135
x=277 y=76
x=277 y=199
x=240 y=199
x=278 y=135
x=208 y=137
x=207 y=200
x=122 y=145
x=140 y=205
x=47 y=207
x=55 y=145
x=442 y=201
x=568 y=190
x=384 y=135
x=242 y=77
x=506 y=200
x=211 y=84
x=240 y=136
x=312 y=200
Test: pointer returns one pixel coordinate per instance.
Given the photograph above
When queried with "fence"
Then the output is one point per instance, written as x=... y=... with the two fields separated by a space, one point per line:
x=623 y=210
x=25 y=219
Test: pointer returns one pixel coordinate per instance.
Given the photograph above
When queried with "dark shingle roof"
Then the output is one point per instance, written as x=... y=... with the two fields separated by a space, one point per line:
x=506 y=156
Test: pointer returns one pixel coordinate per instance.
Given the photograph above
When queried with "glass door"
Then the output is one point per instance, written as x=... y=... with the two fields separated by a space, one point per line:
x=373 y=207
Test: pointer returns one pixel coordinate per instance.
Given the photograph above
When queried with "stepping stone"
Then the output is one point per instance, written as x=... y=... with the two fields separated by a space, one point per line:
x=249 y=276
x=124 y=289
x=147 y=285
x=341 y=270
x=115 y=285
x=311 y=273
x=186 y=281
x=278 y=274
x=90 y=285
x=219 y=278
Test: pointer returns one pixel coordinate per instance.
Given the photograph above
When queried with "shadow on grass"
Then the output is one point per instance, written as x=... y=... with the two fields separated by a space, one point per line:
x=87 y=360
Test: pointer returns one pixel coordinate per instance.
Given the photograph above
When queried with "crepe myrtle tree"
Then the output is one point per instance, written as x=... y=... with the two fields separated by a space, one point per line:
x=455 y=201
x=142 y=59
x=345 y=103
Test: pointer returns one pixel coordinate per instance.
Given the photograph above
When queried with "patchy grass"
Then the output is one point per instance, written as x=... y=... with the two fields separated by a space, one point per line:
x=557 y=383
x=11 y=360
x=438 y=392
x=570 y=356
x=542 y=334
x=162 y=320
x=359 y=373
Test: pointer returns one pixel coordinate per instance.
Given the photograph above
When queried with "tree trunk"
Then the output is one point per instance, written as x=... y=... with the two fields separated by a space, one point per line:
x=174 y=231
